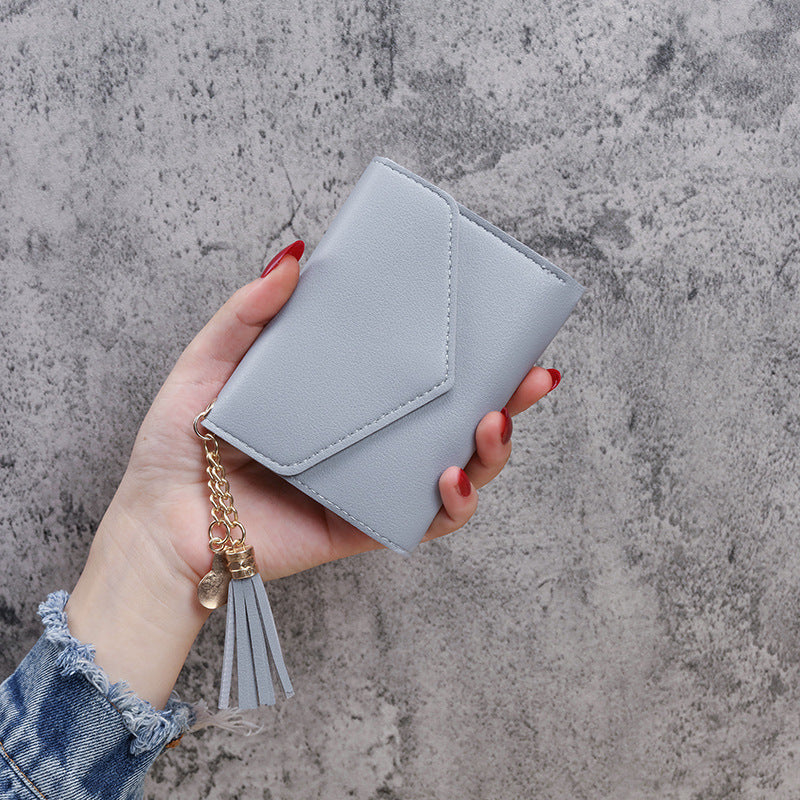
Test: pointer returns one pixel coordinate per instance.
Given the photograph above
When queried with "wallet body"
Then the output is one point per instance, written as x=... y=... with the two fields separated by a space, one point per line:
x=411 y=320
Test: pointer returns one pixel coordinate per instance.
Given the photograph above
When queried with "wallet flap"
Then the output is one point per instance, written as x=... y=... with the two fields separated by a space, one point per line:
x=385 y=271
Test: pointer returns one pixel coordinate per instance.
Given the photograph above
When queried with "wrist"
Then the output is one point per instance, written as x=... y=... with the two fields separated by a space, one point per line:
x=137 y=607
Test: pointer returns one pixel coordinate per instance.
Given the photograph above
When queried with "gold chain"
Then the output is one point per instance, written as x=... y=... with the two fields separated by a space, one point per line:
x=223 y=512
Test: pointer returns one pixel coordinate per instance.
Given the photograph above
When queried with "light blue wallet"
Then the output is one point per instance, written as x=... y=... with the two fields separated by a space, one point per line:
x=412 y=319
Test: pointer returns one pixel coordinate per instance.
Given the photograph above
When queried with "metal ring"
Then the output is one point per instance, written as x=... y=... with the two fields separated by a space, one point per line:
x=212 y=538
x=216 y=522
x=208 y=437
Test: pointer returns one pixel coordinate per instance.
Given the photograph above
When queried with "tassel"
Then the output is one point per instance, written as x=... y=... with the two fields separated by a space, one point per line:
x=249 y=628
x=250 y=631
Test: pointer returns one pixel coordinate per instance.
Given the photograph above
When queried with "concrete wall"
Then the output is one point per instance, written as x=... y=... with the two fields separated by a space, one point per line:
x=620 y=619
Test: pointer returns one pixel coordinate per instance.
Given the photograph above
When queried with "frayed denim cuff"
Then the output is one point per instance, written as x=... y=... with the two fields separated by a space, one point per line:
x=150 y=728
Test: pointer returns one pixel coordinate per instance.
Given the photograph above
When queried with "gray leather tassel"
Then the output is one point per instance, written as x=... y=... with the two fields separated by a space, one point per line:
x=227 y=653
x=272 y=637
x=250 y=631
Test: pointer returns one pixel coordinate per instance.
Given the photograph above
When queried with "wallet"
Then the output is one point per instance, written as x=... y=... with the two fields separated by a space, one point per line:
x=412 y=319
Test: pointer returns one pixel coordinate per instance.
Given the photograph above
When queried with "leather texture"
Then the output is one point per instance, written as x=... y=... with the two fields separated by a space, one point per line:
x=412 y=318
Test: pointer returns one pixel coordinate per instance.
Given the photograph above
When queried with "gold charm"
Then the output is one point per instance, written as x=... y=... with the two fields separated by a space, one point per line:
x=212 y=591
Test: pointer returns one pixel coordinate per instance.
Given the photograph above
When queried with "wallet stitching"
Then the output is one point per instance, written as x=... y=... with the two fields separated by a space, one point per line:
x=446 y=347
x=511 y=247
x=347 y=513
x=251 y=451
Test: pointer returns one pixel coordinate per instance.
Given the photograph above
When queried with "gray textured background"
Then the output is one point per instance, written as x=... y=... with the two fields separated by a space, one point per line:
x=622 y=617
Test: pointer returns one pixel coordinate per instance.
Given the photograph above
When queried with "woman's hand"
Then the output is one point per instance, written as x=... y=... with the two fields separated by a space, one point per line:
x=151 y=547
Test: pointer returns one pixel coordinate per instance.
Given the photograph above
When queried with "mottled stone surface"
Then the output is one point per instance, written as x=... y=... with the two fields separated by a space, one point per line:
x=622 y=617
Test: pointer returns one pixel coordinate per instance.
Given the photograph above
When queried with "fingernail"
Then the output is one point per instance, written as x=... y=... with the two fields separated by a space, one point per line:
x=463 y=485
x=508 y=426
x=556 y=376
x=294 y=249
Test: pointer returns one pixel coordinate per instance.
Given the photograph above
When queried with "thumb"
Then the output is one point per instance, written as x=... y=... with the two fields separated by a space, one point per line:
x=214 y=353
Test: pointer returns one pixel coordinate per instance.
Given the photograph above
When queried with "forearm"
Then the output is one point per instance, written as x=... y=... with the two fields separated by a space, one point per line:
x=68 y=731
x=89 y=708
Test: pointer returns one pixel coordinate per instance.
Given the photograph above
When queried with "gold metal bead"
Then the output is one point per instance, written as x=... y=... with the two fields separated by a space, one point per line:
x=241 y=563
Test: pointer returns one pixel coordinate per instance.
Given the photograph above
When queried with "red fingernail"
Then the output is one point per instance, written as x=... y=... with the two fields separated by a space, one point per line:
x=463 y=485
x=556 y=376
x=508 y=426
x=294 y=249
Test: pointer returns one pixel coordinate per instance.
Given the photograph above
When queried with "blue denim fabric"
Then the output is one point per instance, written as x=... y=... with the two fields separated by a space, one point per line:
x=67 y=732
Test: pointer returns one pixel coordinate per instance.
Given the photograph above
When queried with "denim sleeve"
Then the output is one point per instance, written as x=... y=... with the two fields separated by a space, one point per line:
x=67 y=732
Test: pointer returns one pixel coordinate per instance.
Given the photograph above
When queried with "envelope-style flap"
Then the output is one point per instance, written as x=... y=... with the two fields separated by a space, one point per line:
x=367 y=336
